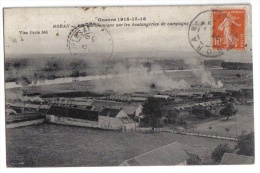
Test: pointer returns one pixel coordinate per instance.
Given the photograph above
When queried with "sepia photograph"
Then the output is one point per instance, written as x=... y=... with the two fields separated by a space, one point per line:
x=129 y=86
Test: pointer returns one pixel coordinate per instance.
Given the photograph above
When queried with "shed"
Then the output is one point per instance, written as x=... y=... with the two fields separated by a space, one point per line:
x=138 y=99
x=184 y=94
x=34 y=107
x=17 y=105
x=10 y=111
x=234 y=159
x=165 y=97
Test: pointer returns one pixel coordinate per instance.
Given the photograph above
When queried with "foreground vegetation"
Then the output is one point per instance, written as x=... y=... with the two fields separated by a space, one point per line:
x=245 y=146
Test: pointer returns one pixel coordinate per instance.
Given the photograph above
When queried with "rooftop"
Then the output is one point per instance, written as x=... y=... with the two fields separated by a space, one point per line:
x=101 y=104
x=63 y=111
x=35 y=106
x=131 y=108
x=172 y=154
x=234 y=159
x=109 y=112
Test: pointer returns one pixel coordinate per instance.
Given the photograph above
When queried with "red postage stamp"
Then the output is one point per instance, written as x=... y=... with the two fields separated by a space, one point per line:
x=228 y=29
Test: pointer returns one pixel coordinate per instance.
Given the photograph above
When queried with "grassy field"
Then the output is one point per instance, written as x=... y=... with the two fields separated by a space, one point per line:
x=243 y=121
x=55 y=145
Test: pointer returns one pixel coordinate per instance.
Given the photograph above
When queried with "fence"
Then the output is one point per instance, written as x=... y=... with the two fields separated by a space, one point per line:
x=214 y=135
x=201 y=134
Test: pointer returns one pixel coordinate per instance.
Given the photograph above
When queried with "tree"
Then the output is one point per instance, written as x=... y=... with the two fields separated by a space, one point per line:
x=227 y=129
x=231 y=100
x=245 y=144
x=223 y=98
x=51 y=65
x=219 y=151
x=201 y=113
x=77 y=64
x=228 y=111
x=152 y=110
x=198 y=112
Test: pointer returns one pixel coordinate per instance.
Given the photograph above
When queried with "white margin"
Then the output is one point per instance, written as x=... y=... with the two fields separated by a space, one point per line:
x=178 y=169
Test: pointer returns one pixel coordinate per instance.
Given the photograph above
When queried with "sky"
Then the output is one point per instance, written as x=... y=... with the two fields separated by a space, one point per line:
x=133 y=40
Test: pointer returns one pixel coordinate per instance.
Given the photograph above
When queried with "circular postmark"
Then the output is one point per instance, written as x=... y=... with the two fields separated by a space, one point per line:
x=90 y=40
x=201 y=37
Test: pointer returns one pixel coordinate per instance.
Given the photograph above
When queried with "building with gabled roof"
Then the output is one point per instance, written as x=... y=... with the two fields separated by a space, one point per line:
x=110 y=118
x=133 y=110
x=235 y=159
x=9 y=111
x=168 y=155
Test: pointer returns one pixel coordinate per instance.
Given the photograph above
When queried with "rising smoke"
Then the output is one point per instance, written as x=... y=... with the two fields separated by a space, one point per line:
x=19 y=96
x=139 y=78
x=205 y=76
x=127 y=77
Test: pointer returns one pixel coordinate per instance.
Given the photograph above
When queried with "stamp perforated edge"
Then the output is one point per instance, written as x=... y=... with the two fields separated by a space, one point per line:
x=237 y=7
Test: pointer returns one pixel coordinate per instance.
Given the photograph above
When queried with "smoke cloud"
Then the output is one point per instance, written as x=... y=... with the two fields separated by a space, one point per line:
x=14 y=95
x=207 y=79
x=18 y=96
x=205 y=76
x=139 y=78
x=125 y=76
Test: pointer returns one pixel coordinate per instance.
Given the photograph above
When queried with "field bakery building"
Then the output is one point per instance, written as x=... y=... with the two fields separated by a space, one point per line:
x=72 y=116
x=115 y=119
x=108 y=118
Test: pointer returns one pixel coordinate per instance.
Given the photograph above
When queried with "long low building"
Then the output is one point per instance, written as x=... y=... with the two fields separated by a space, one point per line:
x=115 y=119
x=77 y=113
x=203 y=104
x=131 y=109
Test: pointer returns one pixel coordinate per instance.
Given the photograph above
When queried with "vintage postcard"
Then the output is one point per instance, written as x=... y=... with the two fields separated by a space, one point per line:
x=129 y=86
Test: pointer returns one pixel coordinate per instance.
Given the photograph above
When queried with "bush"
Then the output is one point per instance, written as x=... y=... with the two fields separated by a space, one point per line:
x=82 y=74
x=245 y=144
x=201 y=113
x=219 y=151
x=182 y=122
x=208 y=114
x=228 y=111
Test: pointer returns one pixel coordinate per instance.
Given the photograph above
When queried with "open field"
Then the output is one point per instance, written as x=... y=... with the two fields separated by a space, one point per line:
x=54 y=145
x=243 y=121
